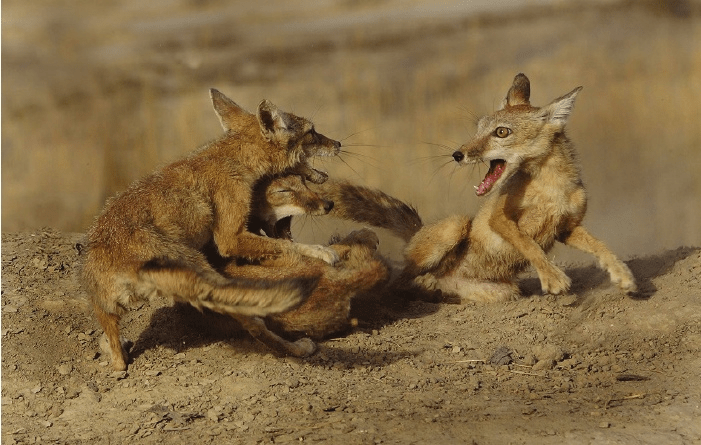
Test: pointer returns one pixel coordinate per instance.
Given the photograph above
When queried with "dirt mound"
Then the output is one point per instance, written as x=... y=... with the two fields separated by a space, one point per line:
x=590 y=367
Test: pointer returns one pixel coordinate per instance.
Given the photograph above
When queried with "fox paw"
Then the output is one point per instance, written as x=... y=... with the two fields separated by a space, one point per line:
x=304 y=347
x=365 y=237
x=623 y=277
x=119 y=361
x=427 y=282
x=323 y=253
x=316 y=176
x=554 y=281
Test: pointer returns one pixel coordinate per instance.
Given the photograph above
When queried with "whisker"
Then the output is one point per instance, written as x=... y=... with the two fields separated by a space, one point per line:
x=357 y=155
x=348 y=165
x=443 y=146
x=356 y=133
x=435 y=172
x=426 y=159
x=364 y=145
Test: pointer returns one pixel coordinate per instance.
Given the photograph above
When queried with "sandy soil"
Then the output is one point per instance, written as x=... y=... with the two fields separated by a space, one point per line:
x=594 y=366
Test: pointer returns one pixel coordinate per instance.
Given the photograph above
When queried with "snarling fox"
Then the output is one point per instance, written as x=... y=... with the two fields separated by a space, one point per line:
x=148 y=240
x=534 y=197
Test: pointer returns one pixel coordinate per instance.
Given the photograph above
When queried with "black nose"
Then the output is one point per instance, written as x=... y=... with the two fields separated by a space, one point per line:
x=458 y=156
x=328 y=205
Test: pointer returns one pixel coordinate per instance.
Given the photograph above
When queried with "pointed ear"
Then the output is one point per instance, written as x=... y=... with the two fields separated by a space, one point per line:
x=227 y=110
x=519 y=93
x=270 y=118
x=560 y=109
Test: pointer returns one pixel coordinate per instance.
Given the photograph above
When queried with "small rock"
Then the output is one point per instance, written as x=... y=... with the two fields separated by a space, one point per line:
x=549 y=352
x=543 y=365
x=604 y=425
x=65 y=369
x=213 y=415
x=119 y=375
x=501 y=356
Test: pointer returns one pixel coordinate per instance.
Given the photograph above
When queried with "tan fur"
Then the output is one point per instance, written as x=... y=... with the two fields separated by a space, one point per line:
x=327 y=310
x=538 y=199
x=370 y=206
x=276 y=199
x=147 y=240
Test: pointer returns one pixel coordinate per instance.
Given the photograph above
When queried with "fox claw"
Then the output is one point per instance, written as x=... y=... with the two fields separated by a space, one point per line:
x=623 y=277
x=304 y=347
x=321 y=252
x=554 y=282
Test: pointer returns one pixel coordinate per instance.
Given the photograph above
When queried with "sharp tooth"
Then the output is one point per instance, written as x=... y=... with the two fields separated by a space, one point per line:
x=476 y=188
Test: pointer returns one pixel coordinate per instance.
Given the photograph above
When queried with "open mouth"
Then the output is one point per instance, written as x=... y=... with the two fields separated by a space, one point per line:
x=496 y=169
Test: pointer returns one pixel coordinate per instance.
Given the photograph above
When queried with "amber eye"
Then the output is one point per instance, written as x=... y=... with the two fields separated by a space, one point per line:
x=502 y=132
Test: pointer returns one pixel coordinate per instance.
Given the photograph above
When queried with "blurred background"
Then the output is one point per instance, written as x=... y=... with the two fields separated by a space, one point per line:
x=97 y=93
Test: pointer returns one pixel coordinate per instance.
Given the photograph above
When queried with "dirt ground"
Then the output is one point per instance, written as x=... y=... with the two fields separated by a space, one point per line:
x=593 y=366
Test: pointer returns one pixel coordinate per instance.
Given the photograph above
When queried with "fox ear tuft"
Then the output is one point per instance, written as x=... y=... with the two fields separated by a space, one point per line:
x=560 y=109
x=227 y=110
x=520 y=91
x=271 y=119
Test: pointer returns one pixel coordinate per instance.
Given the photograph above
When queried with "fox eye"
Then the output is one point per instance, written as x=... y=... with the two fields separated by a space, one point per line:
x=502 y=132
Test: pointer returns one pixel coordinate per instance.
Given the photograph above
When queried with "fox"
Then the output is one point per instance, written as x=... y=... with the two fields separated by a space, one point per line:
x=326 y=312
x=277 y=199
x=534 y=197
x=360 y=273
x=148 y=240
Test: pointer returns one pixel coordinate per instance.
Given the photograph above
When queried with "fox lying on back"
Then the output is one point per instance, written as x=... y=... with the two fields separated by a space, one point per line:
x=148 y=239
x=535 y=197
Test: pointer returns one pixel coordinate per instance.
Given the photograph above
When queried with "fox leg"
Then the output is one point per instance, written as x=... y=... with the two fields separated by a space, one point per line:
x=552 y=279
x=620 y=274
x=110 y=325
x=256 y=246
x=430 y=246
x=303 y=347
x=480 y=291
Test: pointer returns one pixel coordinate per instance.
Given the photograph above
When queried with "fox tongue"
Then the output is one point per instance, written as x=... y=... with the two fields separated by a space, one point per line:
x=496 y=168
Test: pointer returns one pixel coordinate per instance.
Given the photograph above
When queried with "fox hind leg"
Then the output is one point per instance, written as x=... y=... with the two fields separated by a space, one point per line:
x=620 y=274
x=303 y=347
x=110 y=325
x=480 y=291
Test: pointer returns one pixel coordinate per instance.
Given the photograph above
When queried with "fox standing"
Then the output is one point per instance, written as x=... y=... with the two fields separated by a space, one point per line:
x=148 y=239
x=535 y=197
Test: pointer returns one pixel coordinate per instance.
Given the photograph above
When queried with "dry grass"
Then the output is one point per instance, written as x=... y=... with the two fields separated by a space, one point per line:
x=97 y=96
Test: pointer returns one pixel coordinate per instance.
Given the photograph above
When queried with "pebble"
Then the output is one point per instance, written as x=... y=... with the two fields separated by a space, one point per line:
x=119 y=375
x=65 y=369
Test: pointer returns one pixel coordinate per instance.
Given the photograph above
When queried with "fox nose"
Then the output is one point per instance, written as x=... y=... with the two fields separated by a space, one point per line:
x=458 y=156
x=328 y=206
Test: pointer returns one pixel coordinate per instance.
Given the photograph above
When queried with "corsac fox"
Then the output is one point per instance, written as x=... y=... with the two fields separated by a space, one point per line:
x=148 y=239
x=534 y=197
x=360 y=270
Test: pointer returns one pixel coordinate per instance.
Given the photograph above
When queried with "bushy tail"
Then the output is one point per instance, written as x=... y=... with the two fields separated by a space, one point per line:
x=203 y=287
x=437 y=245
x=370 y=206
